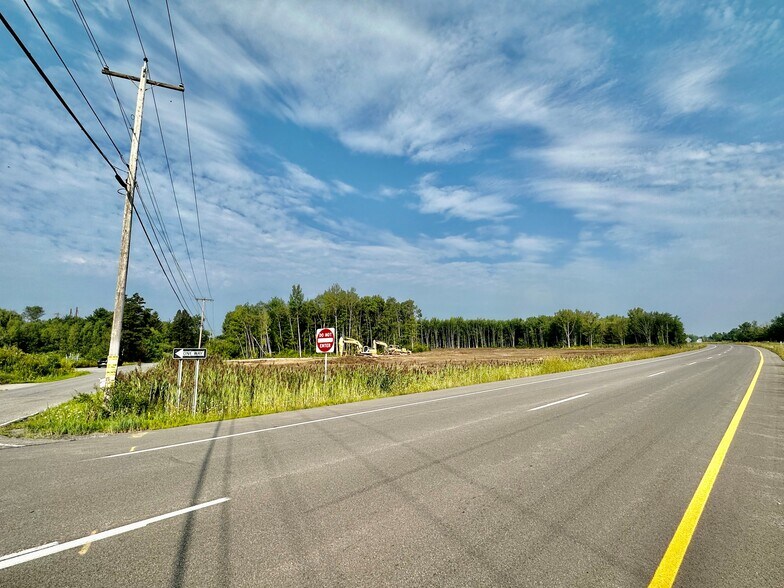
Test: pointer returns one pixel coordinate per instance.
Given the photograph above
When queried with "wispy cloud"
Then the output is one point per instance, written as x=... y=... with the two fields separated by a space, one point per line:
x=459 y=201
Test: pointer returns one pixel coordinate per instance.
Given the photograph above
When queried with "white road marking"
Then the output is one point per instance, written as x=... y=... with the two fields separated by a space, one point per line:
x=21 y=557
x=558 y=402
x=395 y=407
x=10 y=444
x=26 y=551
x=692 y=363
x=711 y=357
x=657 y=374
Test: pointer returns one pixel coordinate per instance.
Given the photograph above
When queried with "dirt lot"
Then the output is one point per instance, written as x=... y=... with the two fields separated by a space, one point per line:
x=452 y=356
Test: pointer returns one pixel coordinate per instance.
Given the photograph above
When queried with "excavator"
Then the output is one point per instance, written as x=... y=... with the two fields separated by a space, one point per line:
x=345 y=342
x=369 y=350
x=378 y=348
x=395 y=350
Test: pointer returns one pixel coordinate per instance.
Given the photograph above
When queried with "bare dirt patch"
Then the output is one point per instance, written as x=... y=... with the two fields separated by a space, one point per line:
x=454 y=357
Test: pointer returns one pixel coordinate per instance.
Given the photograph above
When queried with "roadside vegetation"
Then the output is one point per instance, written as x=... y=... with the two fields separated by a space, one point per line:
x=149 y=400
x=17 y=367
x=777 y=348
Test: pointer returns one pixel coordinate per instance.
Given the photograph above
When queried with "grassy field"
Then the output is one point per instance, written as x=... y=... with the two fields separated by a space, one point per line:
x=149 y=400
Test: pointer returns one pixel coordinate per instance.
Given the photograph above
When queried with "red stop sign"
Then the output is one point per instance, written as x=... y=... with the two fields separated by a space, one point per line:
x=325 y=340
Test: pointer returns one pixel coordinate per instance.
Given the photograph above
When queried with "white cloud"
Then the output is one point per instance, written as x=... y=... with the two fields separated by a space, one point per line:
x=343 y=187
x=533 y=246
x=692 y=87
x=459 y=201
x=458 y=246
x=415 y=80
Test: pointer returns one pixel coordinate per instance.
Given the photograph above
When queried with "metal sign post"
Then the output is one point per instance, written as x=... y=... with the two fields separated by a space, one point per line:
x=184 y=353
x=179 y=383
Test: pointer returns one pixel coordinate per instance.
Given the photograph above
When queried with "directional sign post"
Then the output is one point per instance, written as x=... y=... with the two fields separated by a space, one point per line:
x=193 y=353
x=181 y=353
x=325 y=343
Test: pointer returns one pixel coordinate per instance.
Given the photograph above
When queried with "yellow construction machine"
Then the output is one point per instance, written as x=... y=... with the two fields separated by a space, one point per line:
x=395 y=350
x=346 y=343
x=373 y=350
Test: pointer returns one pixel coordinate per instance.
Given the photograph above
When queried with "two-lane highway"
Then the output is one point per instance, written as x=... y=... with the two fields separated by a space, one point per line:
x=570 y=479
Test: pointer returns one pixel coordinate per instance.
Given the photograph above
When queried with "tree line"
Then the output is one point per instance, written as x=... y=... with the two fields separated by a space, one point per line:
x=751 y=331
x=145 y=337
x=566 y=328
x=279 y=327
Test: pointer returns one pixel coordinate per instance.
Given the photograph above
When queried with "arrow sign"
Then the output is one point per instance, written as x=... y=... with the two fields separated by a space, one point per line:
x=195 y=353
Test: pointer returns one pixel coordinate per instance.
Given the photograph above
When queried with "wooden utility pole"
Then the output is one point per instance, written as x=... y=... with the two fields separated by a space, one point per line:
x=125 y=242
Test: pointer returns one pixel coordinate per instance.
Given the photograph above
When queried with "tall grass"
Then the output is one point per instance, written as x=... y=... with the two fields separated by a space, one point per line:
x=150 y=400
x=16 y=366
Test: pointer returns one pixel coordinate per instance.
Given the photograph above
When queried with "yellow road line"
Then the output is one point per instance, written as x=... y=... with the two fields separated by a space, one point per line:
x=673 y=557
x=86 y=547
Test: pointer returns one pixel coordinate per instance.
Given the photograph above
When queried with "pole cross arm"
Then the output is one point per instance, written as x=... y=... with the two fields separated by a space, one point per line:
x=106 y=71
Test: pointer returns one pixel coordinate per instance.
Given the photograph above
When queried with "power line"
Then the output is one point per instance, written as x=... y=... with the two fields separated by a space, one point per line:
x=163 y=231
x=190 y=151
x=174 y=191
x=81 y=126
x=147 y=183
x=190 y=154
x=141 y=224
x=60 y=98
x=138 y=36
x=152 y=227
x=78 y=87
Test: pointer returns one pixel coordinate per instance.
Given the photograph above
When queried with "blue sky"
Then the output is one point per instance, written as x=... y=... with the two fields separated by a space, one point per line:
x=491 y=159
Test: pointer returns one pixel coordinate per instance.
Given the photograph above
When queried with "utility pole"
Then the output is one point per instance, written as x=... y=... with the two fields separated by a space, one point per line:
x=125 y=242
x=196 y=375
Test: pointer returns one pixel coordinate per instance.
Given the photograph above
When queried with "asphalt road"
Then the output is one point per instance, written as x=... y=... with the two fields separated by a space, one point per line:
x=19 y=401
x=576 y=479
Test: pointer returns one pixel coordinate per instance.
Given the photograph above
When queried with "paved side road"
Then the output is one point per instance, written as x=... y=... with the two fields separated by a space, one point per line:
x=17 y=402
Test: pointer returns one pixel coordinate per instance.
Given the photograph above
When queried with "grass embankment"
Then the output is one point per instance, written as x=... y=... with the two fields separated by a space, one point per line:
x=777 y=348
x=148 y=400
x=18 y=367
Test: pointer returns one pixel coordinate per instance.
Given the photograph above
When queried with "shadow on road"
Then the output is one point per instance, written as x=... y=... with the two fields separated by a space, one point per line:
x=180 y=562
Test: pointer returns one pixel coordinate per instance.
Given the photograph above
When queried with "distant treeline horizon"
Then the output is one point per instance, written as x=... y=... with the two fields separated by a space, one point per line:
x=287 y=327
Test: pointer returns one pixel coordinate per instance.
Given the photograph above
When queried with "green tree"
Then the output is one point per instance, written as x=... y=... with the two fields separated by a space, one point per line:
x=775 y=331
x=616 y=328
x=641 y=325
x=247 y=329
x=296 y=301
x=567 y=321
x=590 y=326
x=33 y=313
x=183 y=331
x=139 y=331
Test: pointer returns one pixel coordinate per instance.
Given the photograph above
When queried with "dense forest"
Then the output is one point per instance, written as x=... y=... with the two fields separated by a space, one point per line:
x=287 y=327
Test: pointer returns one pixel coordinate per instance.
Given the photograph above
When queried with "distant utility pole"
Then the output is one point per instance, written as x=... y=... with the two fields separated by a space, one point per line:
x=125 y=242
x=196 y=375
